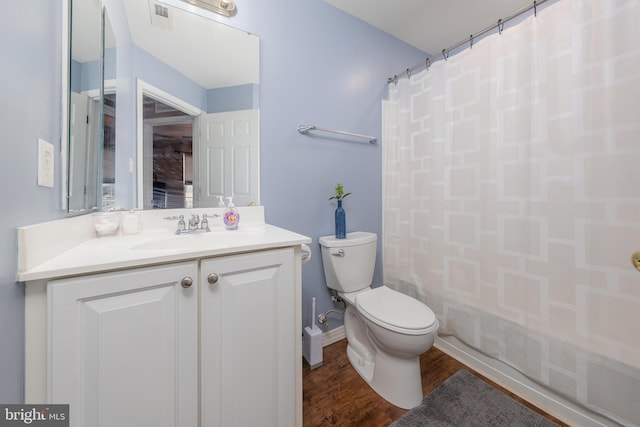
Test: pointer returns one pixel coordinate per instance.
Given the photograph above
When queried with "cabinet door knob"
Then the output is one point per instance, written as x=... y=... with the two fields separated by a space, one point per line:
x=212 y=278
x=186 y=282
x=635 y=260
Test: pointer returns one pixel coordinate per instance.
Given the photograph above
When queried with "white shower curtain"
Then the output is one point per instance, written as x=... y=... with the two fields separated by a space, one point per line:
x=512 y=198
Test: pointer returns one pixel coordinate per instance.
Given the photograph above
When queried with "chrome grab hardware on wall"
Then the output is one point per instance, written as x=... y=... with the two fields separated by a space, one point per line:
x=222 y=7
x=635 y=260
x=212 y=278
x=304 y=129
x=186 y=282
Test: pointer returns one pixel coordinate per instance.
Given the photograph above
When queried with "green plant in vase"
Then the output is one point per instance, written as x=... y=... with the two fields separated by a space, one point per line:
x=341 y=232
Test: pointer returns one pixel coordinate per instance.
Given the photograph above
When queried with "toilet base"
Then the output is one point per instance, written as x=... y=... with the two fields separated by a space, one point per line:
x=363 y=367
x=396 y=380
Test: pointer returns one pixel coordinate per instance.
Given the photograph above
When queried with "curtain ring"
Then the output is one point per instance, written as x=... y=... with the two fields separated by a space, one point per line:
x=427 y=63
x=395 y=80
x=500 y=26
x=445 y=54
x=535 y=8
x=408 y=73
x=471 y=41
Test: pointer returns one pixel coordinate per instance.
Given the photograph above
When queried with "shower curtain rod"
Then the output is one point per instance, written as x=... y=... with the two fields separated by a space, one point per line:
x=444 y=54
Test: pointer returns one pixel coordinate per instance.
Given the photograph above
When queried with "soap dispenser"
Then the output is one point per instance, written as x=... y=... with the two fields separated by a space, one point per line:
x=231 y=216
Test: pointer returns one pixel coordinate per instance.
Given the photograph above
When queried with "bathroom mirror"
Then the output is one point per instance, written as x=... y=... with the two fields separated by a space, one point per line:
x=185 y=110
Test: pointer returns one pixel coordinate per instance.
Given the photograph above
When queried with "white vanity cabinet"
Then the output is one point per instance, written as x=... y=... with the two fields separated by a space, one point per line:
x=164 y=330
x=123 y=346
x=209 y=342
x=248 y=340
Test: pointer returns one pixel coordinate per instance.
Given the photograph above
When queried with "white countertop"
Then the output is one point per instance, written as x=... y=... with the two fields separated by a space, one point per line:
x=155 y=245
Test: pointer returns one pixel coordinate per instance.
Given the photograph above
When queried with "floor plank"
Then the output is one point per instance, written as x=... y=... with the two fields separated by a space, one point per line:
x=335 y=395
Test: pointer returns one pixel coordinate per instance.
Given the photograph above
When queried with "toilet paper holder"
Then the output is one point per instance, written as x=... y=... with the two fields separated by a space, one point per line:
x=305 y=252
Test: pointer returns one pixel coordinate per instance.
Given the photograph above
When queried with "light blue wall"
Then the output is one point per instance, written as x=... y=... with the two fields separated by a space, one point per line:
x=29 y=109
x=157 y=73
x=86 y=75
x=233 y=98
x=318 y=66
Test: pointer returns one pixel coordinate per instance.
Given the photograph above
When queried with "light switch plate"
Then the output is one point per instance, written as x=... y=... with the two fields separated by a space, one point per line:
x=45 y=163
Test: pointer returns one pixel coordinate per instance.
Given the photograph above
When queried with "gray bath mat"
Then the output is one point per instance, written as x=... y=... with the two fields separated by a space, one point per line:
x=464 y=400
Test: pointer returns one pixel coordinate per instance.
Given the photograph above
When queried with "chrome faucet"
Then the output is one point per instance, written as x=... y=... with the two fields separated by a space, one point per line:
x=195 y=224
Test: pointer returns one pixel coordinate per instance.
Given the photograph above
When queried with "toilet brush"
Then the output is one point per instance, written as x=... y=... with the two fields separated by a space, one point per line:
x=312 y=340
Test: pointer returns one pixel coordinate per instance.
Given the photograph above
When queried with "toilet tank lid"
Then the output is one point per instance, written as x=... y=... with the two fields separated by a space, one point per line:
x=353 y=239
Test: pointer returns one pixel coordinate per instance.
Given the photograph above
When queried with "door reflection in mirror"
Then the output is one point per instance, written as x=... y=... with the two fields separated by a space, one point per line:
x=109 y=151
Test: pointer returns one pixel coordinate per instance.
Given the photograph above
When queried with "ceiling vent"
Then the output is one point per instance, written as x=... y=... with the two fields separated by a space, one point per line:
x=161 y=11
x=160 y=17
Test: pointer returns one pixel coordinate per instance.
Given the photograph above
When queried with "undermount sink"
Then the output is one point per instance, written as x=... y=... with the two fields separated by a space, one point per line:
x=200 y=240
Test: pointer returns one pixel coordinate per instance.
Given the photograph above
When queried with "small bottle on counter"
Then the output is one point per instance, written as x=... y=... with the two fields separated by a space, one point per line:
x=131 y=222
x=231 y=216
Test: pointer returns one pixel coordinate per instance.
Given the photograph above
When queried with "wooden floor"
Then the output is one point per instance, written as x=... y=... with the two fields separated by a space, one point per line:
x=335 y=395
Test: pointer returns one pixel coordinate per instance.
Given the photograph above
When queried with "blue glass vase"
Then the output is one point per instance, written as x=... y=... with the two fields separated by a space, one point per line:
x=340 y=222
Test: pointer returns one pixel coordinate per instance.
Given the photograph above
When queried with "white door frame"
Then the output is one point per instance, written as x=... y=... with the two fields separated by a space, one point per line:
x=145 y=89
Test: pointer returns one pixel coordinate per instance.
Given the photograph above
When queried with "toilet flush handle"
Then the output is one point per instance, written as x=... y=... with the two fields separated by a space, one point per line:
x=337 y=252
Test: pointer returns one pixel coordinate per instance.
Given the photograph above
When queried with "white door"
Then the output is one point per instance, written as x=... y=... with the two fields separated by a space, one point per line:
x=78 y=139
x=229 y=157
x=248 y=340
x=124 y=347
x=83 y=151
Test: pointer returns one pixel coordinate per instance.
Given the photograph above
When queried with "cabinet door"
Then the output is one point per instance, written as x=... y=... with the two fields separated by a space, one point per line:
x=123 y=347
x=248 y=338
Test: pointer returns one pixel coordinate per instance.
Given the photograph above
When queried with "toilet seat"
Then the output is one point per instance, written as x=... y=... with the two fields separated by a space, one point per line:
x=396 y=311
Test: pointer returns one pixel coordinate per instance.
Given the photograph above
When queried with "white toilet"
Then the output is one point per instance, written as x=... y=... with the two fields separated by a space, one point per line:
x=386 y=330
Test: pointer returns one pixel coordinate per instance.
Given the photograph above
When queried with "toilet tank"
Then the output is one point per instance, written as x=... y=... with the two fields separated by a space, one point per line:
x=349 y=263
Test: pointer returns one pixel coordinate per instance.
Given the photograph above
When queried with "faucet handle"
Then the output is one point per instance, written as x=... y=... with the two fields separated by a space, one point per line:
x=204 y=224
x=181 y=224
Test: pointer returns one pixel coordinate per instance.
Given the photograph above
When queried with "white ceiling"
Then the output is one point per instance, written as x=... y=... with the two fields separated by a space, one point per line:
x=210 y=53
x=431 y=25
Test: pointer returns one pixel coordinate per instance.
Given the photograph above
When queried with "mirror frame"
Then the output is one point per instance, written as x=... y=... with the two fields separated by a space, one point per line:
x=65 y=99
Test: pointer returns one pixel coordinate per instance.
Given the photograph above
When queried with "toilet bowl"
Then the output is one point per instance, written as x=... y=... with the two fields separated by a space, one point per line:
x=386 y=330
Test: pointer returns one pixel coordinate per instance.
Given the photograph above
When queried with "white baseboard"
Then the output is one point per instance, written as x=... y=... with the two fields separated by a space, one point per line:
x=520 y=385
x=334 y=335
